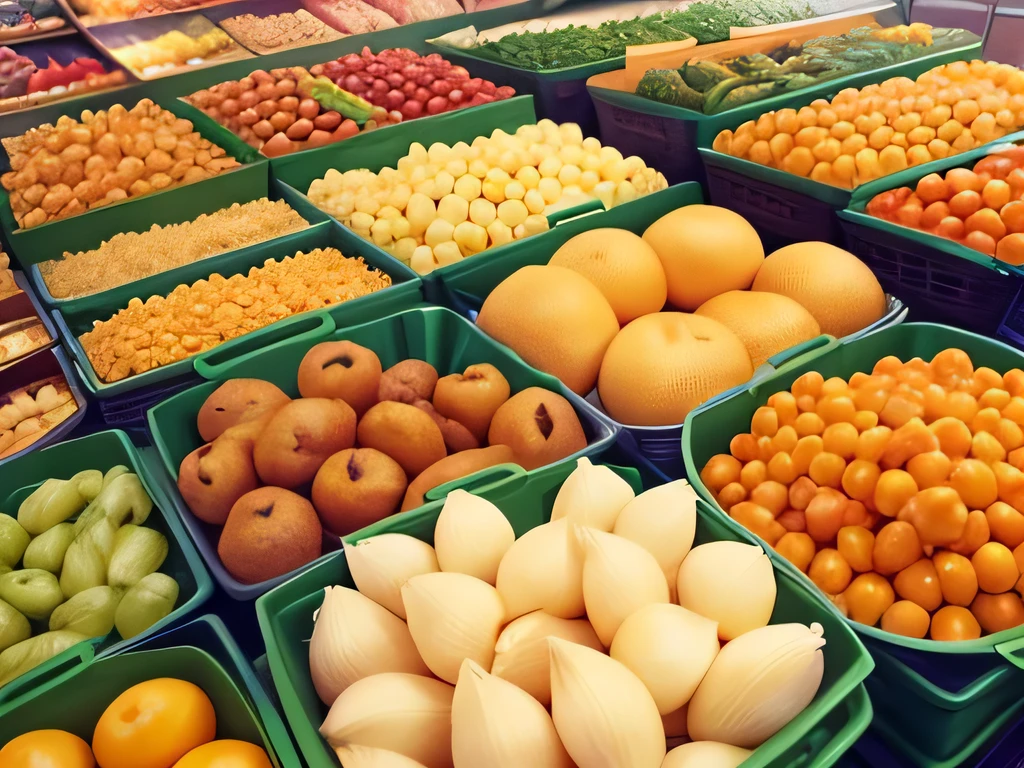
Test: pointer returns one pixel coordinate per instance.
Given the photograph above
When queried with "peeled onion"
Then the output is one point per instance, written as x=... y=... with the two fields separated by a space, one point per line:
x=357 y=756
x=471 y=536
x=381 y=565
x=705 y=754
x=592 y=496
x=542 y=571
x=728 y=582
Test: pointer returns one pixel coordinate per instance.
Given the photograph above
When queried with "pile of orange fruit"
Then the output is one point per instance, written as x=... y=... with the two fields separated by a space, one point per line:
x=161 y=723
x=981 y=208
x=898 y=492
x=884 y=128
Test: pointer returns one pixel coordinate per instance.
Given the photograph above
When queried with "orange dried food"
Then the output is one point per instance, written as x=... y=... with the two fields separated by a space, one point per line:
x=919 y=583
x=196 y=318
x=798 y=548
x=73 y=166
x=830 y=571
x=867 y=598
x=954 y=623
x=897 y=545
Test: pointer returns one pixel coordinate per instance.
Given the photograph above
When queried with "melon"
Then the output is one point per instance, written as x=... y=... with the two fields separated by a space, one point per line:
x=766 y=323
x=705 y=250
x=662 y=366
x=832 y=284
x=555 y=319
x=622 y=266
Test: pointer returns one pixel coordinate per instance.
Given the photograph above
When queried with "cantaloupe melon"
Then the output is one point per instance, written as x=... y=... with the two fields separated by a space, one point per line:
x=662 y=366
x=622 y=266
x=766 y=323
x=705 y=250
x=555 y=319
x=832 y=284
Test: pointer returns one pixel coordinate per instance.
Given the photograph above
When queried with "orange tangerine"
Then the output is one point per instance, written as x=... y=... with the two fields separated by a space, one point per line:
x=720 y=471
x=998 y=612
x=1011 y=249
x=856 y=544
x=937 y=514
x=933 y=215
x=771 y=495
x=860 y=479
x=933 y=188
x=753 y=474
x=896 y=546
x=930 y=469
x=824 y=515
x=954 y=623
x=743 y=447
x=1012 y=215
x=801 y=492
x=951 y=227
x=961 y=179
x=868 y=597
x=963 y=204
x=997 y=570
x=919 y=583
x=906 y=618
x=986 y=220
x=957 y=578
x=996 y=194
x=731 y=495
x=895 y=487
x=1005 y=524
x=975 y=482
x=981 y=241
x=830 y=571
x=827 y=469
x=798 y=548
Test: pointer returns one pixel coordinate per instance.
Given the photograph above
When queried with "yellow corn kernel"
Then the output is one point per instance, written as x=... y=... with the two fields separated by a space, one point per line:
x=472 y=238
x=842 y=130
x=467 y=187
x=454 y=209
x=919 y=154
x=800 y=161
x=447 y=253
x=761 y=153
x=827 y=150
x=780 y=145
x=482 y=211
x=551 y=190
x=868 y=167
x=892 y=159
x=499 y=232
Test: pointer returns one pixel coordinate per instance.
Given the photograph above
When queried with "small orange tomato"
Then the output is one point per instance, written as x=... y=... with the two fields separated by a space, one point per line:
x=907 y=619
x=798 y=548
x=955 y=623
x=867 y=598
x=46 y=749
x=830 y=571
x=919 y=583
x=998 y=612
x=153 y=724
x=996 y=568
x=225 y=753
x=855 y=544
x=957 y=578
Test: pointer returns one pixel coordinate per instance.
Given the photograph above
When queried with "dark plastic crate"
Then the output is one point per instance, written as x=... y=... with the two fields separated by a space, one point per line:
x=780 y=216
x=938 y=286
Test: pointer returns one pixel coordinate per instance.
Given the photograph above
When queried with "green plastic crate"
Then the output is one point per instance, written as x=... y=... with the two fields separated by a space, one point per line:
x=73 y=697
x=442 y=338
x=104 y=450
x=667 y=136
x=941 y=697
x=177 y=203
x=812 y=740
x=404 y=292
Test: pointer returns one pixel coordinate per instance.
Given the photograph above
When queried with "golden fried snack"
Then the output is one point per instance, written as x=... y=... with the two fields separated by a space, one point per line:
x=65 y=169
x=196 y=318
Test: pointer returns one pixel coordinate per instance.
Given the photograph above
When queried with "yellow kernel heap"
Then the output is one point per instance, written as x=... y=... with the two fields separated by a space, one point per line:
x=884 y=128
x=196 y=318
x=67 y=169
x=444 y=203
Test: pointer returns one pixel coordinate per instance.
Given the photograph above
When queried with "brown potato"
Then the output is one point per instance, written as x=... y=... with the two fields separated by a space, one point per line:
x=403 y=432
x=540 y=426
x=300 y=438
x=342 y=370
x=472 y=397
x=452 y=468
x=408 y=381
x=357 y=487
x=236 y=401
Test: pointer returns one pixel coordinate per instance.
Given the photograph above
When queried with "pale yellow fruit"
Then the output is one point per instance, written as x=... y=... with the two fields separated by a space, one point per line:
x=380 y=566
x=357 y=756
x=542 y=571
x=592 y=495
x=623 y=267
x=471 y=536
x=706 y=754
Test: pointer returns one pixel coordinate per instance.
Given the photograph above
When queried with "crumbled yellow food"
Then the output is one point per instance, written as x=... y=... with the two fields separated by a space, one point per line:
x=196 y=318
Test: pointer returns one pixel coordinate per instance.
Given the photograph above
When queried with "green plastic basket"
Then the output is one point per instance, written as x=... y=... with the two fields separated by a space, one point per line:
x=442 y=338
x=177 y=203
x=104 y=450
x=812 y=739
x=73 y=697
x=405 y=291
x=941 y=697
x=667 y=136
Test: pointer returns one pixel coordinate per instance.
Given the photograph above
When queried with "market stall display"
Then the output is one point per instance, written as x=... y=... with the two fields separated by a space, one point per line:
x=131 y=256
x=29 y=19
x=980 y=207
x=612 y=580
x=107 y=156
x=278 y=32
x=27 y=84
x=716 y=85
x=446 y=203
x=288 y=110
x=860 y=135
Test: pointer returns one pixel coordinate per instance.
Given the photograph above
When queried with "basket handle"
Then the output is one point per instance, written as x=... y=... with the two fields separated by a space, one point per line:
x=1010 y=651
x=802 y=353
x=858 y=712
x=52 y=672
x=575 y=212
x=478 y=482
x=308 y=326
